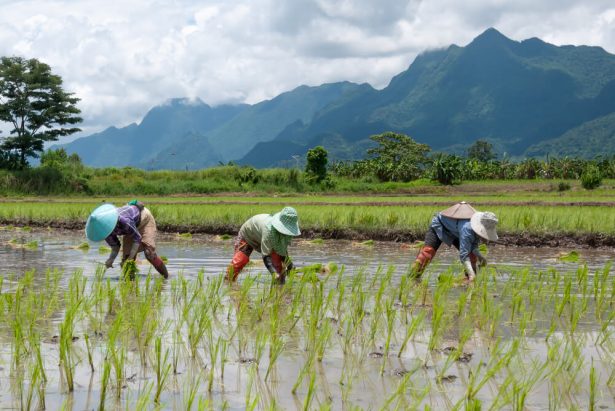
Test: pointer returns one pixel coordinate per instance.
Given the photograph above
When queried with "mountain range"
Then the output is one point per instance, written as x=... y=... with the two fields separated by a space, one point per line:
x=528 y=98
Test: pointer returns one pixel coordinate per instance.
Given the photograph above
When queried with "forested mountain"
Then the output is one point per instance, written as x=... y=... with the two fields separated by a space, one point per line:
x=527 y=98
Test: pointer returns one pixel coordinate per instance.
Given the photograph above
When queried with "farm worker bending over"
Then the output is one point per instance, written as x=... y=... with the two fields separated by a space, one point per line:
x=270 y=235
x=137 y=226
x=462 y=227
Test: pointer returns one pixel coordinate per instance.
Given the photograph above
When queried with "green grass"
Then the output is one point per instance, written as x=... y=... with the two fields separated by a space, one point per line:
x=513 y=219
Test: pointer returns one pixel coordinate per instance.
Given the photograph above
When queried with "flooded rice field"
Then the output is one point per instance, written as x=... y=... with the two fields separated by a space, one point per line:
x=350 y=330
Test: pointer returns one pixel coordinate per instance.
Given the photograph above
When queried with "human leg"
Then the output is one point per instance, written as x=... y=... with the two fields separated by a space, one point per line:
x=426 y=253
x=240 y=258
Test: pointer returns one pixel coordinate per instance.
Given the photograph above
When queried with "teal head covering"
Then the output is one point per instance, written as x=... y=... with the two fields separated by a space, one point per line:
x=101 y=222
x=286 y=222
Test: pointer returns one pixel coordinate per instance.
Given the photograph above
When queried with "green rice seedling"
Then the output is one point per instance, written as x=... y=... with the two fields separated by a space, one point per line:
x=323 y=340
x=26 y=228
x=185 y=236
x=226 y=237
x=310 y=393
x=67 y=361
x=104 y=381
x=162 y=368
x=89 y=349
x=367 y=243
x=116 y=351
x=130 y=269
x=190 y=392
x=31 y=245
x=213 y=357
x=305 y=370
x=390 y=324
x=592 y=387
x=570 y=257
x=223 y=355
x=83 y=246
x=411 y=329
x=103 y=249
x=317 y=241
x=143 y=400
x=606 y=329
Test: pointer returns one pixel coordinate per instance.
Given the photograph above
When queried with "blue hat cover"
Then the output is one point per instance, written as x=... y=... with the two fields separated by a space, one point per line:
x=101 y=222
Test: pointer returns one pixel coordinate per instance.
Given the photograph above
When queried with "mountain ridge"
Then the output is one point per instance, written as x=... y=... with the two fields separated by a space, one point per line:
x=516 y=94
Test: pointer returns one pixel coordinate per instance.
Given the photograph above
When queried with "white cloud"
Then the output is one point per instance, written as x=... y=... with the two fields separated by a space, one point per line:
x=121 y=58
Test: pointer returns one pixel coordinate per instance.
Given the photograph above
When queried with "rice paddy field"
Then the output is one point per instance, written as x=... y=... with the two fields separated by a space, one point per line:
x=348 y=330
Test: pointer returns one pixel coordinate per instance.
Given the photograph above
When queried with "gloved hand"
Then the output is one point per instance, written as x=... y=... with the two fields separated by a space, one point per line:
x=114 y=252
x=482 y=261
x=467 y=264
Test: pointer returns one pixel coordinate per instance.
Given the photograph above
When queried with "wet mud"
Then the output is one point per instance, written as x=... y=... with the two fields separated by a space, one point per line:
x=524 y=239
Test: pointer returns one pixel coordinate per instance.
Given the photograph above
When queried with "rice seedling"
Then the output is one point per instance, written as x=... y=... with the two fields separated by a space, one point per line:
x=161 y=367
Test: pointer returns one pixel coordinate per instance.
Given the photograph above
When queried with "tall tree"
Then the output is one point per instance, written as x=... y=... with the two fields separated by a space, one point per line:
x=316 y=165
x=481 y=150
x=398 y=157
x=34 y=103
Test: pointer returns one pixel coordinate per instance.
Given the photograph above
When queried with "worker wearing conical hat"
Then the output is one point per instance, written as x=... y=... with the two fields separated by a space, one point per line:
x=135 y=223
x=462 y=227
x=269 y=235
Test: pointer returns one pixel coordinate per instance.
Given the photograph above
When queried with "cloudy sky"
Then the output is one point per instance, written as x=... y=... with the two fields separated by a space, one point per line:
x=123 y=57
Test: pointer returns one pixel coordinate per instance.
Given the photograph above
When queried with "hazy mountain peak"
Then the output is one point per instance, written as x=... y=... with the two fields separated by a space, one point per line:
x=491 y=37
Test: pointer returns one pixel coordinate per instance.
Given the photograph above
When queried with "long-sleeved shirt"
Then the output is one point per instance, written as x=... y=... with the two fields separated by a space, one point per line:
x=262 y=237
x=449 y=230
x=127 y=224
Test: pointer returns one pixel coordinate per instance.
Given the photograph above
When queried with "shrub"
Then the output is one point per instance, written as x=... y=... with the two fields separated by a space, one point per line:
x=591 y=177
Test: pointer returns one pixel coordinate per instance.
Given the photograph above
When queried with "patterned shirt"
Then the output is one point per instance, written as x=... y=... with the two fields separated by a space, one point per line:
x=450 y=229
x=127 y=223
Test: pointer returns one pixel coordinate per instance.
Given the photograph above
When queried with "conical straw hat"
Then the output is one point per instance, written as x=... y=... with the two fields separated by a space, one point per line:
x=460 y=211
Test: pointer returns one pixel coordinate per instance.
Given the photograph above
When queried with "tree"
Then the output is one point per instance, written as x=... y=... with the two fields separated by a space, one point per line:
x=33 y=102
x=316 y=166
x=481 y=150
x=447 y=169
x=398 y=157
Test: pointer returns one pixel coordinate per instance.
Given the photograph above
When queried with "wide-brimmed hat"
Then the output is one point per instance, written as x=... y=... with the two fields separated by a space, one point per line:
x=483 y=224
x=460 y=211
x=101 y=222
x=286 y=222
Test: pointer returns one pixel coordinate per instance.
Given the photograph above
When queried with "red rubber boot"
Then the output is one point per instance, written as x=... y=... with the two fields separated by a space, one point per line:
x=425 y=255
x=238 y=262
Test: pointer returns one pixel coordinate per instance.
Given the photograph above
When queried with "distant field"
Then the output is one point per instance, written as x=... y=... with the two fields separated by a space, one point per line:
x=531 y=211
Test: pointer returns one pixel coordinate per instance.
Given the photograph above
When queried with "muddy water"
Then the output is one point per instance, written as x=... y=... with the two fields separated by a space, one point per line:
x=58 y=249
x=211 y=255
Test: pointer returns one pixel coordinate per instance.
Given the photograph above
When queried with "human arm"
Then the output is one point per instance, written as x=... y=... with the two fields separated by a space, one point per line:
x=114 y=243
x=468 y=244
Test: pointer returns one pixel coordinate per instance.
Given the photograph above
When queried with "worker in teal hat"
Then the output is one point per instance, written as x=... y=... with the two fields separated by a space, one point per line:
x=135 y=223
x=269 y=235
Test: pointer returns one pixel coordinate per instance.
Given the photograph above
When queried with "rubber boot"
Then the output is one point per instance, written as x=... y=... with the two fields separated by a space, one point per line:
x=158 y=264
x=237 y=264
x=423 y=258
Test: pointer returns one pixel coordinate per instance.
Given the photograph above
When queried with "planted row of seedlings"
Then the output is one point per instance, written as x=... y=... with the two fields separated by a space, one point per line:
x=516 y=339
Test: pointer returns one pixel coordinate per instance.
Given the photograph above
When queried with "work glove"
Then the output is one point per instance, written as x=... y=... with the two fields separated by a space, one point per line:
x=269 y=264
x=482 y=261
x=467 y=265
x=114 y=252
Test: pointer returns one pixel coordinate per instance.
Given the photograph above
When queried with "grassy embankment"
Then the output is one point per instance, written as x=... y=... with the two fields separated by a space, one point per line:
x=523 y=209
